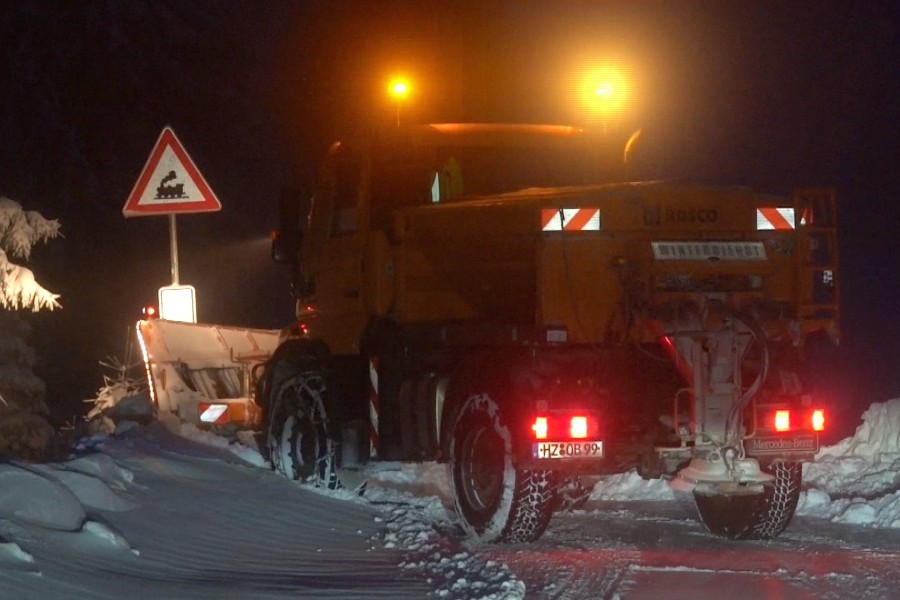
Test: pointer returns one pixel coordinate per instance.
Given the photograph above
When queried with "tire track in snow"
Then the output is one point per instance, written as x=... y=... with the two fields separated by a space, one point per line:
x=569 y=574
x=651 y=551
x=454 y=572
x=571 y=562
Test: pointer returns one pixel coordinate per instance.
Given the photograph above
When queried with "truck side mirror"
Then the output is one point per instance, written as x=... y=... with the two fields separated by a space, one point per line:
x=286 y=246
x=293 y=212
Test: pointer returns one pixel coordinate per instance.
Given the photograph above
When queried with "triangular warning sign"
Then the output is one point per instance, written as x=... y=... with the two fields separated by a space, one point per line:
x=170 y=183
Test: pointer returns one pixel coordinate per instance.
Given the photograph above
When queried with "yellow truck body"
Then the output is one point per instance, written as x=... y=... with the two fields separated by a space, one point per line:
x=463 y=289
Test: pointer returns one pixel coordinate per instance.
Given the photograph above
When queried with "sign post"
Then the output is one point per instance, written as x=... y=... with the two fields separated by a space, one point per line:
x=173 y=249
x=170 y=183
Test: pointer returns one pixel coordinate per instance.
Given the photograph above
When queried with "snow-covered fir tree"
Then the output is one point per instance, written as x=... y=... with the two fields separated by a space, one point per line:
x=24 y=433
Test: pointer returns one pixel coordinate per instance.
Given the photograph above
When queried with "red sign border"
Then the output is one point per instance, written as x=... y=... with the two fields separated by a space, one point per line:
x=166 y=139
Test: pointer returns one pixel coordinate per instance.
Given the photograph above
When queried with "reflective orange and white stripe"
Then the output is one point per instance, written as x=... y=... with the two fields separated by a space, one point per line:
x=775 y=219
x=217 y=414
x=570 y=219
x=374 y=406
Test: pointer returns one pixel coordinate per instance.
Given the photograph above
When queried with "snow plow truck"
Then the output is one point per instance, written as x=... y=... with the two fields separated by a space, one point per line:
x=503 y=299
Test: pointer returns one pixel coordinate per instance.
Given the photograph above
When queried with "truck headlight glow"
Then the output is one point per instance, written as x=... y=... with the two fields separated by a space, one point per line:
x=606 y=91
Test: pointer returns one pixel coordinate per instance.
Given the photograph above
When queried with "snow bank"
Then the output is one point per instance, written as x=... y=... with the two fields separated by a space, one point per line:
x=866 y=464
x=244 y=448
x=857 y=480
x=32 y=498
x=630 y=486
x=411 y=503
x=882 y=512
x=421 y=479
x=90 y=491
x=12 y=556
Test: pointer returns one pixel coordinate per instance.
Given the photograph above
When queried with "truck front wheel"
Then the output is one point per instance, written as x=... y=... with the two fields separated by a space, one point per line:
x=297 y=433
x=496 y=501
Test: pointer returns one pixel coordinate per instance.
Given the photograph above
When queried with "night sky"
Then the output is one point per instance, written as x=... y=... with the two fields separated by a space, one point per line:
x=768 y=94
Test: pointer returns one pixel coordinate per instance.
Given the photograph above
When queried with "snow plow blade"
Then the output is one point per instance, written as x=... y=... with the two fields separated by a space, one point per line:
x=205 y=373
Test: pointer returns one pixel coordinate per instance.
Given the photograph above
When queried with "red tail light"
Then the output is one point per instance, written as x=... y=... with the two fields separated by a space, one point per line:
x=578 y=429
x=818 y=420
x=564 y=426
x=786 y=420
x=782 y=420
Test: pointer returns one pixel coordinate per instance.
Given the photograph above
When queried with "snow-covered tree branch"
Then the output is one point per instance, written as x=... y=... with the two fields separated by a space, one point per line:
x=20 y=230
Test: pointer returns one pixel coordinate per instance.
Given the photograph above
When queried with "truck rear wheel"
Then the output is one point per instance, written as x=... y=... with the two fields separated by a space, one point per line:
x=496 y=501
x=297 y=433
x=753 y=515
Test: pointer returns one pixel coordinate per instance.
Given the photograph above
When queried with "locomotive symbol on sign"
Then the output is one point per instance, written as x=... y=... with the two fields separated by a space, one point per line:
x=165 y=191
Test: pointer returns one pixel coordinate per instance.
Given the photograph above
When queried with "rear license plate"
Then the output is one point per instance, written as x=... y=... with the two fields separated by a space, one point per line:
x=568 y=450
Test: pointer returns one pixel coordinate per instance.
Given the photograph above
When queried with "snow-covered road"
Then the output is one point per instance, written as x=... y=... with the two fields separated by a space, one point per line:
x=152 y=514
x=655 y=550
x=169 y=518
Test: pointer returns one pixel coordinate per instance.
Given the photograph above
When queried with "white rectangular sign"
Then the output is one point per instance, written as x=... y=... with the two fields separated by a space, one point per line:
x=709 y=251
x=178 y=303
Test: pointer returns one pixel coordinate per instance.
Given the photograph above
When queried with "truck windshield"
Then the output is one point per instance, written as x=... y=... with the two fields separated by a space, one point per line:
x=409 y=176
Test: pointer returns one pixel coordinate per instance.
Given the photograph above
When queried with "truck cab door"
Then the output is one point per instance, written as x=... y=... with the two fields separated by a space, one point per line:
x=333 y=261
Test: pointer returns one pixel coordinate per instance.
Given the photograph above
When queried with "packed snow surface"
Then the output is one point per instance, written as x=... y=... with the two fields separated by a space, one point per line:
x=171 y=511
